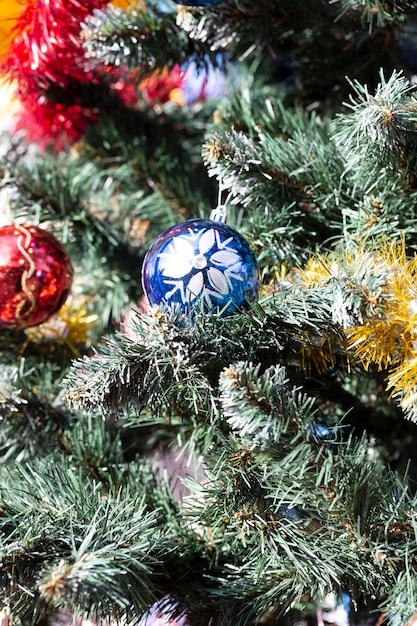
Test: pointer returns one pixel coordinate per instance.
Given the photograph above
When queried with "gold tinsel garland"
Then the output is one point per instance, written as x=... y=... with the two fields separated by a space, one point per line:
x=383 y=334
x=72 y=327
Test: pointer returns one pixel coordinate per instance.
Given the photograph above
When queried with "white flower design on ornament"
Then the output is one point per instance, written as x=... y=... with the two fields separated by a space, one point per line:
x=200 y=265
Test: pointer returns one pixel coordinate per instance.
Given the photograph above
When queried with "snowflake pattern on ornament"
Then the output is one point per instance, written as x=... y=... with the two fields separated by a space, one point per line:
x=204 y=266
x=201 y=261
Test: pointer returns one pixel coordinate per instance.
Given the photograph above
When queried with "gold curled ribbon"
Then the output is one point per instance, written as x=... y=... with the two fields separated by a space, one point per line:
x=27 y=297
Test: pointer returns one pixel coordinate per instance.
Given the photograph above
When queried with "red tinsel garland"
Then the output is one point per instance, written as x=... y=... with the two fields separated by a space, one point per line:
x=46 y=49
x=45 y=56
x=59 y=90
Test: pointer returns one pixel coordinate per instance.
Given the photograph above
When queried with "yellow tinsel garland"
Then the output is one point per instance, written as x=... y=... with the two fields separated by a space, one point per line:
x=72 y=327
x=385 y=333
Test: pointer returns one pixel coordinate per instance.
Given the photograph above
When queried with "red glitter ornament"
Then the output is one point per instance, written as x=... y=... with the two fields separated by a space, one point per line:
x=35 y=276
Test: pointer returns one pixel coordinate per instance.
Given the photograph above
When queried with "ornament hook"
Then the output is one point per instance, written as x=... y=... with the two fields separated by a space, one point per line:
x=219 y=214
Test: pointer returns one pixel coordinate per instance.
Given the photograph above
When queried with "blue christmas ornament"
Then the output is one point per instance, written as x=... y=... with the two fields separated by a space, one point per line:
x=201 y=262
x=198 y=3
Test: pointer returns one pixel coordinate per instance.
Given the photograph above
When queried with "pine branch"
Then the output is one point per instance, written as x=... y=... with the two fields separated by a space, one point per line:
x=260 y=405
x=374 y=13
x=31 y=424
x=289 y=33
x=144 y=38
x=174 y=361
x=380 y=124
x=320 y=518
x=66 y=540
x=401 y=601
x=163 y=144
x=356 y=175
x=266 y=175
x=158 y=369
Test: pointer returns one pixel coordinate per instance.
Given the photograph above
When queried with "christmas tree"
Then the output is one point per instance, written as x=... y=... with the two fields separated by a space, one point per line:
x=208 y=311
